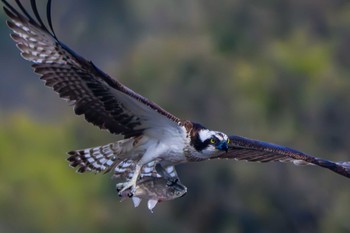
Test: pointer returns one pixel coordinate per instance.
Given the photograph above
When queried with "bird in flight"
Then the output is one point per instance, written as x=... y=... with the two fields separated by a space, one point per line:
x=151 y=134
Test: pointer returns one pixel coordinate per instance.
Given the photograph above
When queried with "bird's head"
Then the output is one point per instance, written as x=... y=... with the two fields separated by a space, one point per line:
x=209 y=142
x=214 y=140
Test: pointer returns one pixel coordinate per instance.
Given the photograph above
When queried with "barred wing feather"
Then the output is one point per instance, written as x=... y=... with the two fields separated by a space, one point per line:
x=241 y=148
x=103 y=101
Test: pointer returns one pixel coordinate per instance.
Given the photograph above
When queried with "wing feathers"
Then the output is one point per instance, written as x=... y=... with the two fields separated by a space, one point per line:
x=241 y=148
x=36 y=13
x=65 y=79
x=102 y=100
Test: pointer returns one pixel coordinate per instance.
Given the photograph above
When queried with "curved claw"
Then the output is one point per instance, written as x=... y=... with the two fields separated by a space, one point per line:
x=132 y=183
x=124 y=190
x=130 y=194
x=172 y=182
x=122 y=187
x=119 y=187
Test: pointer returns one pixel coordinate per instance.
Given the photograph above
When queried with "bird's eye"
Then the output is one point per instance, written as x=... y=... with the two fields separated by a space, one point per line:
x=212 y=141
x=228 y=141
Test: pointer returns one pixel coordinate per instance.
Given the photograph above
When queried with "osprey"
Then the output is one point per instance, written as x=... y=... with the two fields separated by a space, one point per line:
x=151 y=134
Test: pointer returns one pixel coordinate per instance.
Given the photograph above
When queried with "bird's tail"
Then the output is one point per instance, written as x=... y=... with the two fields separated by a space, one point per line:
x=100 y=158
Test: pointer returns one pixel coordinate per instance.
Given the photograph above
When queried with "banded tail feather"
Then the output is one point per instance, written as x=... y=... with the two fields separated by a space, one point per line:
x=97 y=159
x=111 y=157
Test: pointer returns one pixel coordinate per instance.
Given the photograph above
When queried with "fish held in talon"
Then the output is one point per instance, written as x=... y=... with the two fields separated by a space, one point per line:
x=154 y=190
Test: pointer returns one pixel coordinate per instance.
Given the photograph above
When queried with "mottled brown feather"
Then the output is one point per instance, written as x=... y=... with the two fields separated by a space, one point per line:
x=93 y=93
x=241 y=148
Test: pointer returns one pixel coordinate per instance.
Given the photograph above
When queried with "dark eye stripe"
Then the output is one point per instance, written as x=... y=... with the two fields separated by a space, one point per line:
x=216 y=139
x=199 y=145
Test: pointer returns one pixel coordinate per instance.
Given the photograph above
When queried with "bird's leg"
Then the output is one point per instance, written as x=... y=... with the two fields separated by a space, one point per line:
x=132 y=183
x=151 y=153
x=161 y=171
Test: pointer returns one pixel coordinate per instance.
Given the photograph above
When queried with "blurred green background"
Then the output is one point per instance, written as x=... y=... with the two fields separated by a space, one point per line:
x=274 y=70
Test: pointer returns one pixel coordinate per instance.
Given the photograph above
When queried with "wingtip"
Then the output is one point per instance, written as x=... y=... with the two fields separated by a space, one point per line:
x=345 y=168
x=5 y=3
x=8 y=9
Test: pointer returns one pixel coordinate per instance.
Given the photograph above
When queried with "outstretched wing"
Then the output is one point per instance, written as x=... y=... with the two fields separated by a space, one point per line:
x=103 y=101
x=241 y=148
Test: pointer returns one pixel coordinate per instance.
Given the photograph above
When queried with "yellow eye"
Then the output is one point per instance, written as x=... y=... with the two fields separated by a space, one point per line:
x=228 y=141
x=212 y=141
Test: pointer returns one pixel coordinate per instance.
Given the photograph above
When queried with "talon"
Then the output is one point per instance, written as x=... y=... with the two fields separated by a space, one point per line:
x=131 y=184
x=119 y=187
x=127 y=186
x=172 y=182
x=122 y=187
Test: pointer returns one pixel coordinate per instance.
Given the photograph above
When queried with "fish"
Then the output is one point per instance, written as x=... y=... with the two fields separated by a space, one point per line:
x=154 y=188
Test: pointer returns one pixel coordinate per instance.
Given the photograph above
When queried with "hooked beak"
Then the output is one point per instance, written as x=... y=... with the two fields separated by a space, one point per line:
x=222 y=146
